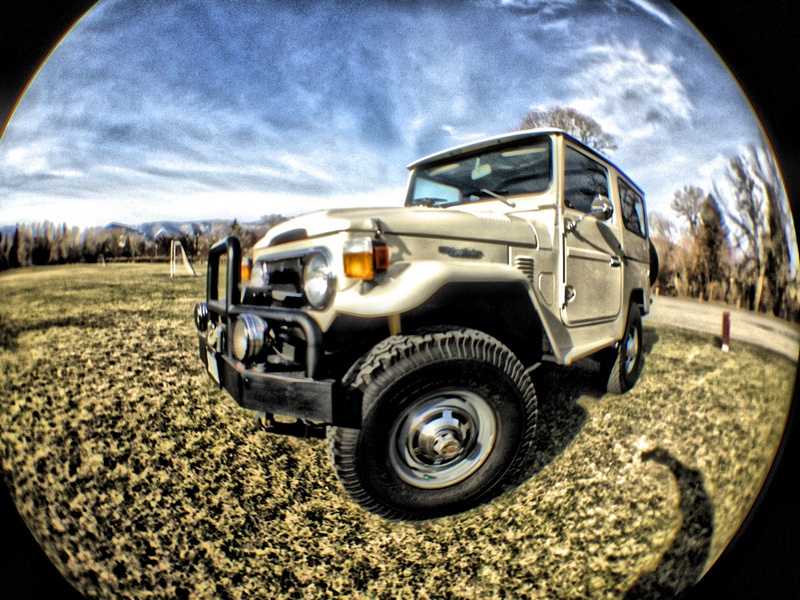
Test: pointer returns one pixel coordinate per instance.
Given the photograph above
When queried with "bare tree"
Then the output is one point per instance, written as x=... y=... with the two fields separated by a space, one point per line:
x=746 y=212
x=582 y=126
x=5 y=248
x=778 y=226
x=686 y=204
x=712 y=249
x=662 y=234
x=759 y=213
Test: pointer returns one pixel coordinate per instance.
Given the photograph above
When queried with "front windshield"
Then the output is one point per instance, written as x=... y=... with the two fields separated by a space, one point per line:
x=513 y=171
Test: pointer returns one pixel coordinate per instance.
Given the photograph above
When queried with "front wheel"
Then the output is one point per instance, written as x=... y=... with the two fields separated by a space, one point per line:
x=446 y=416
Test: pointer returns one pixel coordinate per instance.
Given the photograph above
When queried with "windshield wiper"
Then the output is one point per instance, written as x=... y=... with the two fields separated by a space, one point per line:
x=503 y=199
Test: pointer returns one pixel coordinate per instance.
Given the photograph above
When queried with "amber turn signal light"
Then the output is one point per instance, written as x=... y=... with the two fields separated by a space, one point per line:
x=247 y=268
x=363 y=257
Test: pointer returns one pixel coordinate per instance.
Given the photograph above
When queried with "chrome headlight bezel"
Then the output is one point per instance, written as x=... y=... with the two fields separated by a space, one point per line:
x=319 y=279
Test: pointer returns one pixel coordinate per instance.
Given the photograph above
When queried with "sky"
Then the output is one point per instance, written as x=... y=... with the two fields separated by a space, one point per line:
x=172 y=110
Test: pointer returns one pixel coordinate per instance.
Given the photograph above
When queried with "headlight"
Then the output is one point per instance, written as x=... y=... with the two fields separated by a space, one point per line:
x=259 y=276
x=249 y=333
x=318 y=280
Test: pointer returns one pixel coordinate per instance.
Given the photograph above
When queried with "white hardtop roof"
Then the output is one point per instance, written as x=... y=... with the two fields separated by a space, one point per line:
x=510 y=137
x=495 y=140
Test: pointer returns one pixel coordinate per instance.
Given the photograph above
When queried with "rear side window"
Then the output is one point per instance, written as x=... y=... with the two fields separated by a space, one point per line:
x=632 y=208
x=584 y=179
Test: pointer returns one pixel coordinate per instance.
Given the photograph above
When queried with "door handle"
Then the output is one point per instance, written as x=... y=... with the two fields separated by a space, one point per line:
x=615 y=262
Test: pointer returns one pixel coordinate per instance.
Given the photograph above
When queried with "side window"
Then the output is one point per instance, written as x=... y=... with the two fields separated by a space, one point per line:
x=632 y=208
x=584 y=179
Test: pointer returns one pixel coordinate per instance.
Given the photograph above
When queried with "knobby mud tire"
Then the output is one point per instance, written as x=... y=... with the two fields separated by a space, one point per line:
x=401 y=374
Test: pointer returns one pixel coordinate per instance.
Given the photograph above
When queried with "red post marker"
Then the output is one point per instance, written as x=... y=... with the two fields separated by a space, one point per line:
x=726 y=331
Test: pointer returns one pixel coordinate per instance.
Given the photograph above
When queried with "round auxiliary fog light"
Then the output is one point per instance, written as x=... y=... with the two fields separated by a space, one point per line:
x=201 y=316
x=248 y=336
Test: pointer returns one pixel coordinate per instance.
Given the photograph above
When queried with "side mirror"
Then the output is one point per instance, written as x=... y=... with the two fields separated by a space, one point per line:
x=602 y=208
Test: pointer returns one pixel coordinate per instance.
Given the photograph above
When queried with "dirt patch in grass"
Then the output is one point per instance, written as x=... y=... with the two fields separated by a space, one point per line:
x=141 y=480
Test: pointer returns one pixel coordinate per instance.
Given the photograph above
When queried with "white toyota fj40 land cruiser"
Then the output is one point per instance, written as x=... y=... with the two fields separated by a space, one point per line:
x=407 y=335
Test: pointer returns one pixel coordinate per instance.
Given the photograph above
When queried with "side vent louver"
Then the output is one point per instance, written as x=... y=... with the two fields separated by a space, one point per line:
x=525 y=264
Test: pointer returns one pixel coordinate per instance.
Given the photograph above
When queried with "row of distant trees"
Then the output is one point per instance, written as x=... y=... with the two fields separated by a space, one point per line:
x=732 y=243
x=47 y=243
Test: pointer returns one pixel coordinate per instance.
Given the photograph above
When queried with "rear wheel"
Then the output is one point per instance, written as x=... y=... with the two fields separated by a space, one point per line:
x=622 y=364
x=446 y=416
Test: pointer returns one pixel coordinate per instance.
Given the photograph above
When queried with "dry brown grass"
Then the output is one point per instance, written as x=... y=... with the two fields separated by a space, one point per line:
x=141 y=480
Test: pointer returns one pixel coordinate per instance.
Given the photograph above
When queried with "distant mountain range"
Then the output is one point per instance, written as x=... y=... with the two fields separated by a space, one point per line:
x=157 y=229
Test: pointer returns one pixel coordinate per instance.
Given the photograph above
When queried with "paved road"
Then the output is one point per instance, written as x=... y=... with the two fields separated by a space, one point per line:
x=746 y=326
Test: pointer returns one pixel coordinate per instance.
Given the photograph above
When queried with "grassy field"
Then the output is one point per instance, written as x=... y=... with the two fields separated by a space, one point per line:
x=141 y=480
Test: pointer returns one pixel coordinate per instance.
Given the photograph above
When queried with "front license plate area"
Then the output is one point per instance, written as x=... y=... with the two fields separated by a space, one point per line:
x=213 y=369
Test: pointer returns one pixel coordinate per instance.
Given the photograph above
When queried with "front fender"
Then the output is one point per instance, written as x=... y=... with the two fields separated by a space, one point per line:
x=495 y=299
x=407 y=286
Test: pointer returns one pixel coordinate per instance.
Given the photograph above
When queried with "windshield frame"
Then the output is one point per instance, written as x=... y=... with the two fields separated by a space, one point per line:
x=485 y=193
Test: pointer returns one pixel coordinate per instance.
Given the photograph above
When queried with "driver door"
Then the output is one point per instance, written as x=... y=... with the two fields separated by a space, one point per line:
x=592 y=263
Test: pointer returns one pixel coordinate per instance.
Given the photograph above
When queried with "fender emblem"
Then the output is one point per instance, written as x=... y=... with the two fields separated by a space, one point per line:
x=461 y=252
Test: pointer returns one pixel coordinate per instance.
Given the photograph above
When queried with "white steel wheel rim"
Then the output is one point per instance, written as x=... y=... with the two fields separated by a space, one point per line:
x=442 y=439
x=631 y=349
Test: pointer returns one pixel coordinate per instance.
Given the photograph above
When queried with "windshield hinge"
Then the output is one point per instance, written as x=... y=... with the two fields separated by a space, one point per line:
x=379 y=228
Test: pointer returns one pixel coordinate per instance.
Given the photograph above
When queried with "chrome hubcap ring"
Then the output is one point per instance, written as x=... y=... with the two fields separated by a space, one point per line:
x=442 y=439
x=631 y=349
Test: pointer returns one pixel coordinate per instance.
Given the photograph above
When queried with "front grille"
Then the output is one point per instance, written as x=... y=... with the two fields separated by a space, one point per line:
x=284 y=275
x=279 y=283
x=526 y=265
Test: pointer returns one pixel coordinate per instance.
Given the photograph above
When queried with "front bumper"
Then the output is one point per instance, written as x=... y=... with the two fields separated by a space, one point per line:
x=300 y=393
x=289 y=394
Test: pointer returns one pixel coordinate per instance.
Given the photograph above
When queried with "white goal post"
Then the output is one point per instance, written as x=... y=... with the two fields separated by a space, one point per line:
x=176 y=254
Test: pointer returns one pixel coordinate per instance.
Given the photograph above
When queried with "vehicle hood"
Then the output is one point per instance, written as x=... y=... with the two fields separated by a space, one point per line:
x=448 y=223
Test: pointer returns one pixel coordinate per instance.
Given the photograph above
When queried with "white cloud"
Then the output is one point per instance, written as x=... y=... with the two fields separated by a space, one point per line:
x=132 y=207
x=650 y=8
x=249 y=205
x=28 y=159
x=630 y=93
x=302 y=168
x=546 y=6
x=714 y=169
x=67 y=173
x=460 y=135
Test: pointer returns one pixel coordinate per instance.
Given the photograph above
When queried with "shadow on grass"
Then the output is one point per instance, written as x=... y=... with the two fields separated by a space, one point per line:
x=561 y=418
x=682 y=564
x=88 y=319
x=649 y=339
x=8 y=334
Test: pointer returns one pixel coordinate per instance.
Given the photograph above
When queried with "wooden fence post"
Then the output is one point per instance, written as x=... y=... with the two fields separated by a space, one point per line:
x=726 y=331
